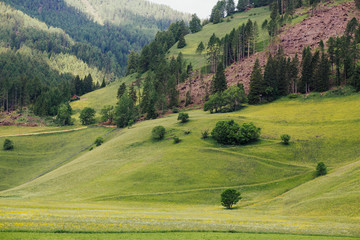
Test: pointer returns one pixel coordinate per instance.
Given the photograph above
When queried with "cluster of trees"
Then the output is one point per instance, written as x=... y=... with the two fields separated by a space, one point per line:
x=105 y=47
x=28 y=81
x=281 y=75
x=154 y=53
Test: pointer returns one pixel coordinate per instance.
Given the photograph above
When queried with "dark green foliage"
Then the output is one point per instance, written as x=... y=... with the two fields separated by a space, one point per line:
x=107 y=114
x=183 y=117
x=242 y=5
x=285 y=138
x=230 y=133
x=205 y=134
x=104 y=46
x=103 y=84
x=182 y=42
x=230 y=7
x=132 y=63
x=124 y=111
x=87 y=116
x=200 y=48
x=121 y=90
x=149 y=98
x=218 y=12
x=132 y=93
x=188 y=100
x=230 y=197
x=230 y=100
x=256 y=84
x=219 y=81
x=195 y=24
x=176 y=140
x=99 y=141
x=321 y=169
x=8 y=145
x=63 y=116
x=158 y=133
x=175 y=110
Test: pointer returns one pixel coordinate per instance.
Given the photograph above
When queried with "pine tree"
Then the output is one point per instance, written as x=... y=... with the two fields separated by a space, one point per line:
x=219 y=81
x=270 y=79
x=323 y=75
x=195 y=24
x=256 y=84
x=293 y=74
x=133 y=63
x=182 y=42
x=132 y=93
x=121 y=90
x=230 y=7
x=103 y=84
x=242 y=5
x=149 y=98
x=307 y=71
x=200 y=48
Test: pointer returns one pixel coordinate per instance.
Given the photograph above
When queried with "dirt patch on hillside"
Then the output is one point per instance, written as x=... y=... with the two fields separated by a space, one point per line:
x=325 y=22
x=20 y=119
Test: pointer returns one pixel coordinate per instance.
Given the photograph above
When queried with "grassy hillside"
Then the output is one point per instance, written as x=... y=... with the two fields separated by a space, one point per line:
x=221 y=29
x=178 y=186
x=27 y=161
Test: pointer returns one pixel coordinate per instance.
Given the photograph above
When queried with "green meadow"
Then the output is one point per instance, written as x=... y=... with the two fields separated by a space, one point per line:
x=134 y=184
x=193 y=40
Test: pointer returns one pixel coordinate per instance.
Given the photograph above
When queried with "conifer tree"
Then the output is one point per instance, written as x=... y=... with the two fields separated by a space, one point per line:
x=103 y=84
x=219 y=82
x=133 y=63
x=256 y=84
x=195 y=24
x=200 y=48
x=307 y=71
x=182 y=42
x=121 y=90
x=230 y=7
x=132 y=93
x=242 y=5
x=149 y=98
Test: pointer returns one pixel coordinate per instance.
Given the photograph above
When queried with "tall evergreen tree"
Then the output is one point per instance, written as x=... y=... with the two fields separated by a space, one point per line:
x=133 y=63
x=256 y=84
x=242 y=5
x=195 y=24
x=121 y=90
x=219 y=82
x=230 y=7
x=307 y=71
x=182 y=42
x=149 y=98
x=103 y=84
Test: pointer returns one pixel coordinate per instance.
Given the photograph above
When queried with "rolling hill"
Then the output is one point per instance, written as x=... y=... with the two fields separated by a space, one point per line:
x=277 y=181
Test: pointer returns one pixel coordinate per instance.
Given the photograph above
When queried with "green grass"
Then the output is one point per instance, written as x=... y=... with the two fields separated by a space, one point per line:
x=27 y=161
x=221 y=29
x=99 y=98
x=132 y=183
x=165 y=236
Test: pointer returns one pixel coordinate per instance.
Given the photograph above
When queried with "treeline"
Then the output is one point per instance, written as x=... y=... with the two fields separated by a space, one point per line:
x=154 y=53
x=105 y=47
x=29 y=81
x=318 y=71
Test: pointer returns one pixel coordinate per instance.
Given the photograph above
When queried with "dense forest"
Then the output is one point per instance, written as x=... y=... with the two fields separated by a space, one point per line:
x=104 y=46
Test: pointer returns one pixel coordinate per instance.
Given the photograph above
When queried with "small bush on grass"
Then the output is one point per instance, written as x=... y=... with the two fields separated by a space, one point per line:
x=321 y=169
x=8 y=145
x=99 y=141
x=205 y=134
x=158 y=133
x=285 y=139
x=230 y=197
x=183 y=117
x=176 y=140
x=175 y=110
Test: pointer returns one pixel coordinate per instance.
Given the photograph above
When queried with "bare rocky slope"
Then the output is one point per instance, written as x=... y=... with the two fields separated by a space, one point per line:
x=328 y=20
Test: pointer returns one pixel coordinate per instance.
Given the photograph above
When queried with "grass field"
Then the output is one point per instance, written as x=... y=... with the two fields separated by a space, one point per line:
x=165 y=236
x=221 y=29
x=132 y=183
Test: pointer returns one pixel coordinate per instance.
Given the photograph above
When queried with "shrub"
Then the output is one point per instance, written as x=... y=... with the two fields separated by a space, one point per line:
x=183 y=117
x=176 y=140
x=321 y=169
x=158 y=133
x=8 y=145
x=87 y=116
x=99 y=141
x=285 y=139
x=230 y=133
x=187 y=132
x=230 y=197
x=175 y=110
x=205 y=134
x=92 y=148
